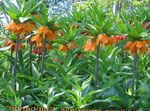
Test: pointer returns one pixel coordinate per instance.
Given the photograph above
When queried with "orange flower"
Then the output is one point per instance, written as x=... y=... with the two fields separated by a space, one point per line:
x=13 y=45
x=44 y=30
x=37 y=51
x=20 y=28
x=36 y=39
x=63 y=47
x=117 y=38
x=69 y=46
x=114 y=39
x=13 y=27
x=136 y=47
x=8 y=43
x=147 y=42
x=20 y=46
x=49 y=35
x=141 y=47
x=90 y=45
x=29 y=27
x=104 y=40
x=48 y=46
x=40 y=45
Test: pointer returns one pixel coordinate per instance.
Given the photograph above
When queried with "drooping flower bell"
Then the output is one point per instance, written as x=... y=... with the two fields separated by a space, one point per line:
x=49 y=34
x=36 y=39
x=13 y=45
x=20 y=28
x=104 y=40
x=90 y=45
x=41 y=45
x=37 y=51
x=39 y=48
x=66 y=47
x=116 y=39
x=136 y=47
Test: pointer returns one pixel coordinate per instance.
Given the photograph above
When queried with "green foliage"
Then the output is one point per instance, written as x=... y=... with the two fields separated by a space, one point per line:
x=68 y=78
x=99 y=21
x=21 y=11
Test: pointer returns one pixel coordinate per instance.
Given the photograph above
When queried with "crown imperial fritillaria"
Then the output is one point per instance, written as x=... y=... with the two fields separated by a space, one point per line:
x=136 y=47
x=20 y=28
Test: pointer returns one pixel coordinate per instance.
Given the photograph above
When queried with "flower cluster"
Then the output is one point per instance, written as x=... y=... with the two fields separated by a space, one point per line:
x=45 y=31
x=42 y=33
x=39 y=48
x=90 y=45
x=13 y=45
x=66 y=47
x=20 y=28
x=137 y=46
x=116 y=39
x=102 y=39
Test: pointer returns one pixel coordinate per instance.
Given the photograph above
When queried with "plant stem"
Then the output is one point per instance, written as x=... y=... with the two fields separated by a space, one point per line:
x=16 y=60
x=135 y=73
x=11 y=61
x=43 y=54
x=30 y=57
x=97 y=66
x=39 y=57
x=67 y=54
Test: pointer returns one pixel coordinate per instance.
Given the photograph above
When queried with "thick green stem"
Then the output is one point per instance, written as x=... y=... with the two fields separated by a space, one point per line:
x=135 y=73
x=30 y=57
x=97 y=66
x=16 y=60
x=43 y=54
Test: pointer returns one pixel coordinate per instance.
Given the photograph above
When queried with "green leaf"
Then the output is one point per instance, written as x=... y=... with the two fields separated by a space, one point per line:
x=36 y=73
x=23 y=19
x=42 y=103
x=143 y=34
x=96 y=101
x=5 y=48
x=86 y=83
x=3 y=108
x=54 y=98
